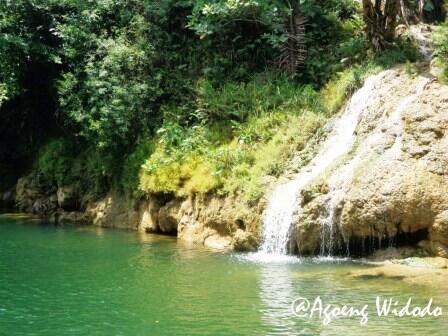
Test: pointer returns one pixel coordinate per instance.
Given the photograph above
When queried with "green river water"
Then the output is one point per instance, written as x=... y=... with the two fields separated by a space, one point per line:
x=90 y=281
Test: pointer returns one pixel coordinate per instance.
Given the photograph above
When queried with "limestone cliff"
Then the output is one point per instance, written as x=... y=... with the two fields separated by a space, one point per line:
x=392 y=187
x=217 y=222
x=214 y=221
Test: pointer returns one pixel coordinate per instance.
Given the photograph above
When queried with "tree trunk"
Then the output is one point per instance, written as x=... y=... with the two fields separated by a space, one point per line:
x=380 y=17
x=391 y=10
x=293 y=52
x=409 y=12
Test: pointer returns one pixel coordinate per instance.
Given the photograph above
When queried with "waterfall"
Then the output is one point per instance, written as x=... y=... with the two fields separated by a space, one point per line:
x=340 y=180
x=284 y=202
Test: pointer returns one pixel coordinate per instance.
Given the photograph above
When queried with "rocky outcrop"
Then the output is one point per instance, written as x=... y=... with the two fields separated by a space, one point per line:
x=392 y=188
x=34 y=194
x=217 y=222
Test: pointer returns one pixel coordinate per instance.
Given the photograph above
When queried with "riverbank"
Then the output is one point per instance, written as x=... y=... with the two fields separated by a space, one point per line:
x=356 y=205
x=313 y=180
x=391 y=264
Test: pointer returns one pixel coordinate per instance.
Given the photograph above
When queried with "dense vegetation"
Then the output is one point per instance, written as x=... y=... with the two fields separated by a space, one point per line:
x=175 y=96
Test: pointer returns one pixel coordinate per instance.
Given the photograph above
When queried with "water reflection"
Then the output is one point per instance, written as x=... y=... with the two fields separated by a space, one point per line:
x=119 y=285
x=277 y=292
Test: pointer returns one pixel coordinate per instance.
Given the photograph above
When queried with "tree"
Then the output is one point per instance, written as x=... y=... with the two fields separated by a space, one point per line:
x=413 y=11
x=293 y=51
x=409 y=11
x=380 y=18
x=29 y=65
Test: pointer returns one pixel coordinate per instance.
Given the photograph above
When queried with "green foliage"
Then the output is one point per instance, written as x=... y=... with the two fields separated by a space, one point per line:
x=172 y=96
x=256 y=142
x=402 y=52
x=214 y=17
x=60 y=162
x=25 y=34
x=29 y=61
x=335 y=33
x=336 y=92
x=108 y=91
x=133 y=164
x=55 y=161
x=238 y=101
x=441 y=49
x=237 y=37
x=92 y=171
x=441 y=41
x=3 y=93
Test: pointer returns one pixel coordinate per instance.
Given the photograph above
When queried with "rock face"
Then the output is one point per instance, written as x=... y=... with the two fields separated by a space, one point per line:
x=7 y=199
x=35 y=195
x=217 y=222
x=392 y=188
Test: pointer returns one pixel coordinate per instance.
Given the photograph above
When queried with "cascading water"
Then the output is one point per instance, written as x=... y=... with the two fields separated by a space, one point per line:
x=283 y=203
x=340 y=180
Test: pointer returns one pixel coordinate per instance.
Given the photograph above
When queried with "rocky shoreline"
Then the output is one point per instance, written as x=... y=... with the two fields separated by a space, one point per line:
x=223 y=223
x=394 y=184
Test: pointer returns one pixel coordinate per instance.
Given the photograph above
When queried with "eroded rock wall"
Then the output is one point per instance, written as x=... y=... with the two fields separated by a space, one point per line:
x=394 y=183
x=217 y=222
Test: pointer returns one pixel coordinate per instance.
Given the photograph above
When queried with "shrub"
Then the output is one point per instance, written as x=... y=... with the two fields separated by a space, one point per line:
x=90 y=171
x=55 y=161
x=240 y=100
x=133 y=163
x=190 y=175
